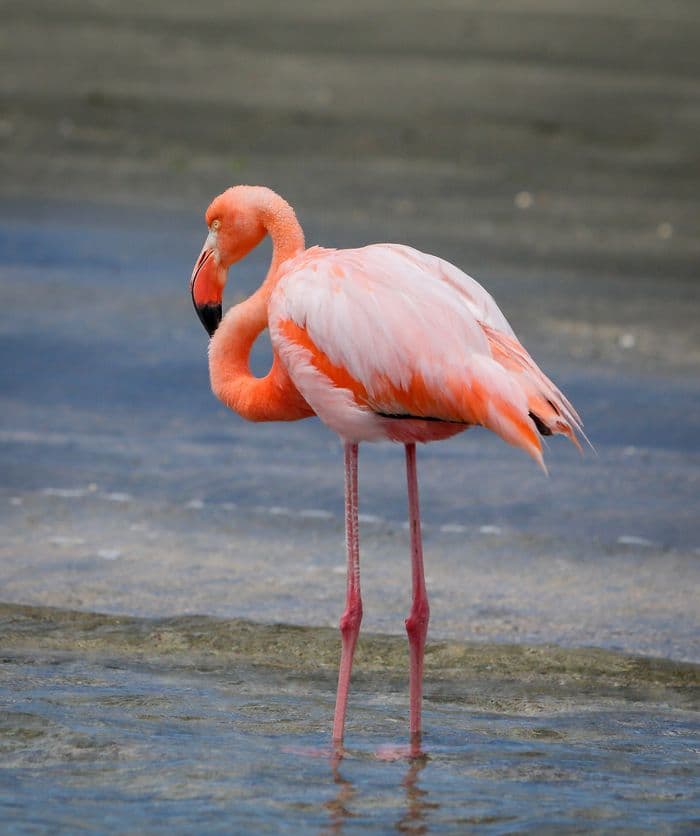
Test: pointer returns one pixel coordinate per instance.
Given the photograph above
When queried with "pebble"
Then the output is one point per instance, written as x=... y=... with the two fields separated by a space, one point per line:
x=315 y=514
x=633 y=540
x=65 y=493
x=453 y=528
x=109 y=554
x=523 y=200
x=117 y=497
x=278 y=510
x=70 y=493
x=627 y=341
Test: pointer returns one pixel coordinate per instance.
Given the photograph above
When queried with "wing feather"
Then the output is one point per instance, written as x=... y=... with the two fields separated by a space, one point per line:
x=408 y=334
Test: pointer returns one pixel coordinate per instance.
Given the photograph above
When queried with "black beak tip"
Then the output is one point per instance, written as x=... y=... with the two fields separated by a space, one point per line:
x=210 y=317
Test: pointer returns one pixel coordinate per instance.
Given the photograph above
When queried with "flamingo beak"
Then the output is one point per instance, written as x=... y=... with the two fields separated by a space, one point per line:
x=207 y=286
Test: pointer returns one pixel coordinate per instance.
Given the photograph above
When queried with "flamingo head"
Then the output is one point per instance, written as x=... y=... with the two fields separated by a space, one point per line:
x=235 y=228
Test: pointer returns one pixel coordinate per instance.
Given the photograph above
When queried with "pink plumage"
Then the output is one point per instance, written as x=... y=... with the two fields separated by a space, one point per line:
x=382 y=342
x=417 y=343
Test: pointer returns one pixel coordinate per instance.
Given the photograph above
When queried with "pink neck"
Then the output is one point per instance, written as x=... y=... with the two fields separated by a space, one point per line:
x=283 y=228
x=266 y=398
x=287 y=236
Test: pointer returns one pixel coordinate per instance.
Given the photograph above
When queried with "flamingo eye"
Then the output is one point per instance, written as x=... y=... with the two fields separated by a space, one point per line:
x=216 y=225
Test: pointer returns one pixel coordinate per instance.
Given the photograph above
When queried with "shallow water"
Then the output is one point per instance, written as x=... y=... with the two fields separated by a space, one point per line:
x=182 y=724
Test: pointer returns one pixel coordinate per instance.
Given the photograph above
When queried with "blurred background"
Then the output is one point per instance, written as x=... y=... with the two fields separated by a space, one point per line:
x=548 y=147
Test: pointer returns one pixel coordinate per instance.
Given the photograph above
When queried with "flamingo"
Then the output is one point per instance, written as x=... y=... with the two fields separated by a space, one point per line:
x=381 y=343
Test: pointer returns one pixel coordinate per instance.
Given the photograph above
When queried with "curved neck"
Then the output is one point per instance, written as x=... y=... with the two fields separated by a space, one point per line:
x=273 y=397
x=284 y=229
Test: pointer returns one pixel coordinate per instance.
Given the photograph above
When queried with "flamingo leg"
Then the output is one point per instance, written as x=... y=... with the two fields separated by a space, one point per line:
x=352 y=616
x=417 y=621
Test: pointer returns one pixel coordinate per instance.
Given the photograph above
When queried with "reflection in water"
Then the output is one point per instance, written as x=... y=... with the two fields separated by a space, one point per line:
x=152 y=745
x=413 y=817
x=337 y=806
x=417 y=805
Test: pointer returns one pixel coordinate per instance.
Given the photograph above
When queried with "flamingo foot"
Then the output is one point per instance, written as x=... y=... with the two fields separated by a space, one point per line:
x=410 y=752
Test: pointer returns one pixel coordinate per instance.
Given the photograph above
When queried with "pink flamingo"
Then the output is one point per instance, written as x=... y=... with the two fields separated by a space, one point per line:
x=381 y=342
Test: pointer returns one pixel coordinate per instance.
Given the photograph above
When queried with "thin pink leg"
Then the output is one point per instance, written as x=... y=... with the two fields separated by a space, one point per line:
x=417 y=621
x=351 y=618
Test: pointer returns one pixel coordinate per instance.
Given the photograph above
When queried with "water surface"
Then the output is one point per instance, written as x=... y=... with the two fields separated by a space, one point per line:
x=179 y=724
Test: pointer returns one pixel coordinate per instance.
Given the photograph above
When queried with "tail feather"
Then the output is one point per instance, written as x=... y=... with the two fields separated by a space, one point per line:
x=550 y=411
x=493 y=401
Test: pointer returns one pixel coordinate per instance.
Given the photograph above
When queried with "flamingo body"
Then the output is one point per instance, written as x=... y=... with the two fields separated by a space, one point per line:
x=381 y=342
x=386 y=342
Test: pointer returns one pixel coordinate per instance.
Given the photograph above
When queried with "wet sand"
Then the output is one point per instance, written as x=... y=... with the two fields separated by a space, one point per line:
x=164 y=725
x=493 y=675
x=549 y=149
